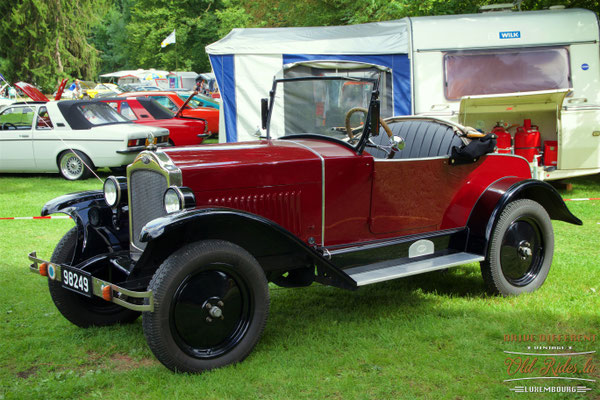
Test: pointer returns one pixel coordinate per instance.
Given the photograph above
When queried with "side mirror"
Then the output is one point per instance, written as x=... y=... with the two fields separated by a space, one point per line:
x=264 y=112
x=398 y=143
x=375 y=112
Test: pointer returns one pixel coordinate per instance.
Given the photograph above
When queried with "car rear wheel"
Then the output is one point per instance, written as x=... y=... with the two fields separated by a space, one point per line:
x=80 y=310
x=520 y=250
x=211 y=303
x=74 y=165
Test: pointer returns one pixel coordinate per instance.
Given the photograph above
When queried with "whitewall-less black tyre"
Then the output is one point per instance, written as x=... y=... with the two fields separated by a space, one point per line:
x=80 y=310
x=211 y=302
x=72 y=165
x=520 y=249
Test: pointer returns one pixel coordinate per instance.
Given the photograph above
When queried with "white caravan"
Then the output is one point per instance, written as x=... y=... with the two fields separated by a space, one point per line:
x=510 y=66
x=476 y=69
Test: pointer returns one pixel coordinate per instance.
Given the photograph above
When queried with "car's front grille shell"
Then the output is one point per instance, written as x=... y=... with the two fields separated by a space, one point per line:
x=147 y=190
x=148 y=177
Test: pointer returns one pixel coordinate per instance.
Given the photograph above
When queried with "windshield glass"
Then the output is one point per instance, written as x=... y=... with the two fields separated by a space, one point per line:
x=319 y=106
x=100 y=114
x=198 y=101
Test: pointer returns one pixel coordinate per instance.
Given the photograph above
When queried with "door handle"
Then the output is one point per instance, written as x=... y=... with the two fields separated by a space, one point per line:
x=577 y=100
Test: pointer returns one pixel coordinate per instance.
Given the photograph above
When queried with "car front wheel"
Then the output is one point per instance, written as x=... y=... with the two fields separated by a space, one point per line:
x=79 y=310
x=74 y=165
x=520 y=250
x=211 y=303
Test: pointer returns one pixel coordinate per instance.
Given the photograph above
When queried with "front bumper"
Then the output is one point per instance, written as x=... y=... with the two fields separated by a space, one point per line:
x=137 y=149
x=103 y=289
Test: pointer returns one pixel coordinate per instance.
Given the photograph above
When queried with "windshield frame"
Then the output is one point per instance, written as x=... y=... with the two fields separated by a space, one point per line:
x=359 y=147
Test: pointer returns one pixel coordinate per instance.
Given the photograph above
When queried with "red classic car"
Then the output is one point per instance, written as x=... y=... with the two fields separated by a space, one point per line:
x=182 y=130
x=180 y=107
x=191 y=237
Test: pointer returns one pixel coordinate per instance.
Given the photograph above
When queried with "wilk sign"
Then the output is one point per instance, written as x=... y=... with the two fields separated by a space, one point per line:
x=510 y=35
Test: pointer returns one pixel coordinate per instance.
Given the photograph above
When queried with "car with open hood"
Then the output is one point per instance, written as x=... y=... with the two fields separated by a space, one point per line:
x=183 y=130
x=69 y=137
x=194 y=107
x=191 y=237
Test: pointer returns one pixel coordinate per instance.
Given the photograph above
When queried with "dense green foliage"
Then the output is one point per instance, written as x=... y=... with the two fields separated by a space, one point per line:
x=45 y=40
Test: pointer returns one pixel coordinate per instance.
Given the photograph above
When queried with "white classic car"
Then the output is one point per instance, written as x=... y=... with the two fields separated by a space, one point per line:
x=67 y=136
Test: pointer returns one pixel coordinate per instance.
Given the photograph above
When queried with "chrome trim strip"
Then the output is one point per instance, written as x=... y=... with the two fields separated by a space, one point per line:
x=520 y=46
x=390 y=242
x=411 y=159
x=157 y=161
x=322 y=187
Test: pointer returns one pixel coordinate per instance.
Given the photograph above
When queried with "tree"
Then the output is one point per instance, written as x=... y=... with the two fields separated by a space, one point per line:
x=48 y=40
x=110 y=38
x=152 y=21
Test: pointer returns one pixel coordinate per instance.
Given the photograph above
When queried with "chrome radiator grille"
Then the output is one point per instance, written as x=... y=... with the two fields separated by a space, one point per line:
x=147 y=188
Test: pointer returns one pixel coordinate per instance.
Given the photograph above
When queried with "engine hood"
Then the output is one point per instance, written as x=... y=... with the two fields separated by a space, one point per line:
x=247 y=164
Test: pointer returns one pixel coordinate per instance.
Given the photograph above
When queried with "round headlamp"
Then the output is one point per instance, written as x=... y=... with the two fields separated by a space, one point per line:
x=115 y=189
x=178 y=198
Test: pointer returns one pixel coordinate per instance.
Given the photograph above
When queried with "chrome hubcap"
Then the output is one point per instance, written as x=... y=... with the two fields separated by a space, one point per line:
x=524 y=250
x=71 y=166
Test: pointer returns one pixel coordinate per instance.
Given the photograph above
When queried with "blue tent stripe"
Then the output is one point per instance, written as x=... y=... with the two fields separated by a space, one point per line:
x=224 y=68
x=398 y=63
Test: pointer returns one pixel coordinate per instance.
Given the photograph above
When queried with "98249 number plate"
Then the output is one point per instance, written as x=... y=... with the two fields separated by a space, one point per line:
x=77 y=281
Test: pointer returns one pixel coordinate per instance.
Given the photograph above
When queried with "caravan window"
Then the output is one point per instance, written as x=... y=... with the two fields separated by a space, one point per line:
x=507 y=71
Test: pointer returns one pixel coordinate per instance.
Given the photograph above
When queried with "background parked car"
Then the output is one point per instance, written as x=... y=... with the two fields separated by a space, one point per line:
x=71 y=137
x=104 y=90
x=199 y=100
x=174 y=102
x=182 y=130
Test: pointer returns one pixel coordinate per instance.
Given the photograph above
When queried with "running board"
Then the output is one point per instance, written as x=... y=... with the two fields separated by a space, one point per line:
x=388 y=270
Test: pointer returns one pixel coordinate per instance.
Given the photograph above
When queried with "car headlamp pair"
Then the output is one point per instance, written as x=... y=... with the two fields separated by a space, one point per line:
x=175 y=198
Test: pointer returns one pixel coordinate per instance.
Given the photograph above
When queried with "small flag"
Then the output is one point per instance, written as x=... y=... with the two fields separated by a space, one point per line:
x=2 y=77
x=169 y=39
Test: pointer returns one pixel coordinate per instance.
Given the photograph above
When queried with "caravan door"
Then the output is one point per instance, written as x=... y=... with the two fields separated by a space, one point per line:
x=579 y=139
x=510 y=110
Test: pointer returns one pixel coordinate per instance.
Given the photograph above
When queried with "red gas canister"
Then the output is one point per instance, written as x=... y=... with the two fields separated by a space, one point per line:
x=551 y=153
x=504 y=140
x=527 y=141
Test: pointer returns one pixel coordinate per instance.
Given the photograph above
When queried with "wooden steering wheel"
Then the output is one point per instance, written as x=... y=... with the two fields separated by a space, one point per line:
x=350 y=131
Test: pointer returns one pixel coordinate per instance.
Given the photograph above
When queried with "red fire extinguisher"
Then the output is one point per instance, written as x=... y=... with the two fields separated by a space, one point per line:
x=527 y=141
x=504 y=140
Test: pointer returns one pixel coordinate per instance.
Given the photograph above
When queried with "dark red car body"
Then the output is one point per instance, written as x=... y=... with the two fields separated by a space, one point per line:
x=194 y=234
x=183 y=131
x=359 y=204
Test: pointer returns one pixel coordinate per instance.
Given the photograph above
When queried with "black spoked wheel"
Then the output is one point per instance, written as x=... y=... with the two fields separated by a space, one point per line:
x=80 y=310
x=520 y=250
x=211 y=304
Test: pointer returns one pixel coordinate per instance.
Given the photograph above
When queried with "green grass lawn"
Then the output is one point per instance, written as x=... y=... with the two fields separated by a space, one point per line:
x=432 y=336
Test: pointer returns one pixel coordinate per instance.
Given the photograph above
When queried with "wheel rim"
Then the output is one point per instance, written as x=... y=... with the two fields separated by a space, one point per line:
x=71 y=166
x=211 y=312
x=522 y=252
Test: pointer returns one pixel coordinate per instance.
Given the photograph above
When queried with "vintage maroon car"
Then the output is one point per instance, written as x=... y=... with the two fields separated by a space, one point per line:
x=192 y=236
x=183 y=130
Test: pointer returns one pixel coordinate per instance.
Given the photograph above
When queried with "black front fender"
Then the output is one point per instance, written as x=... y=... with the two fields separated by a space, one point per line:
x=498 y=195
x=96 y=232
x=275 y=248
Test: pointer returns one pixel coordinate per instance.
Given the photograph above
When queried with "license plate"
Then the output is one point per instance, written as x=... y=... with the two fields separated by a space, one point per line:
x=77 y=281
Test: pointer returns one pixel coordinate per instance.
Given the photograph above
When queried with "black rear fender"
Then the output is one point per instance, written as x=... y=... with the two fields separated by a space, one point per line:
x=275 y=248
x=498 y=195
